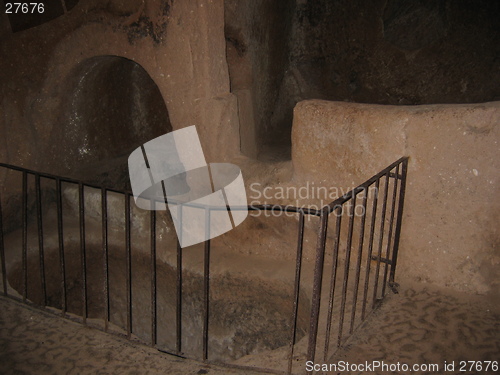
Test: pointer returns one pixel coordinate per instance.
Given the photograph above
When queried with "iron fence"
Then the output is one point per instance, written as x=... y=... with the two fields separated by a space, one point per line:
x=357 y=243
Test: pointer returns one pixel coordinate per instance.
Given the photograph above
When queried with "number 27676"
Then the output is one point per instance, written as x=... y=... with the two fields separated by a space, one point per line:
x=16 y=8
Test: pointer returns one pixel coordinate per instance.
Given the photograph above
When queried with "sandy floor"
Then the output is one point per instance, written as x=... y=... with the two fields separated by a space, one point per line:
x=34 y=342
x=418 y=326
x=425 y=325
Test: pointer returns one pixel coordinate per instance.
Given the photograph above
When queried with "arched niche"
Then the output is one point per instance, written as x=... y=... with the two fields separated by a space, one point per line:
x=110 y=107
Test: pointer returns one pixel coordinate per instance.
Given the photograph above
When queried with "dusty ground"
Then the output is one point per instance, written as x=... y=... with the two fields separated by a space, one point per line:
x=425 y=325
x=420 y=325
x=34 y=342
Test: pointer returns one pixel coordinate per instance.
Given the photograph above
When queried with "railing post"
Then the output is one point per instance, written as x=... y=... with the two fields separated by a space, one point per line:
x=333 y=278
x=105 y=250
x=318 y=279
x=25 y=235
x=370 y=247
x=206 y=285
x=60 y=236
x=128 y=250
x=391 y=226
x=38 y=193
x=83 y=255
x=381 y=238
x=178 y=301
x=2 y=252
x=298 y=268
x=397 y=234
x=347 y=262
x=153 y=277
x=358 y=263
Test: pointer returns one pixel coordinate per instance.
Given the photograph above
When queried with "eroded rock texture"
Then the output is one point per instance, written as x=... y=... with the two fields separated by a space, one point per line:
x=380 y=52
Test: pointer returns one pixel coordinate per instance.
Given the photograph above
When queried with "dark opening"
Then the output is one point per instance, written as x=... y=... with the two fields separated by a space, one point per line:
x=112 y=107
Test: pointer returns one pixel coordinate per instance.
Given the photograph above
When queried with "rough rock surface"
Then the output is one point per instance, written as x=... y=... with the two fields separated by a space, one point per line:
x=400 y=52
x=450 y=232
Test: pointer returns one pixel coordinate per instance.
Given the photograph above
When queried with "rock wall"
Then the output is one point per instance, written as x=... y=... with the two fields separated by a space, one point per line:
x=398 y=52
x=80 y=91
x=179 y=45
x=258 y=39
x=450 y=233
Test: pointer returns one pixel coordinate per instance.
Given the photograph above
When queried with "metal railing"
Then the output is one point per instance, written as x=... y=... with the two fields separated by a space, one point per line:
x=354 y=266
x=382 y=247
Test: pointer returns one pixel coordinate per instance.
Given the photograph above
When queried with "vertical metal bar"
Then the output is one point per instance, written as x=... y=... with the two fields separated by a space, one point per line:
x=2 y=253
x=318 y=278
x=105 y=251
x=391 y=224
x=60 y=235
x=153 y=277
x=381 y=238
x=206 y=286
x=370 y=248
x=129 y=265
x=402 y=189
x=40 y=239
x=298 y=268
x=178 y=310
x=83 y=254
x=358 y=263
x=333 y=280
x=25 y=235
x=346 y=270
